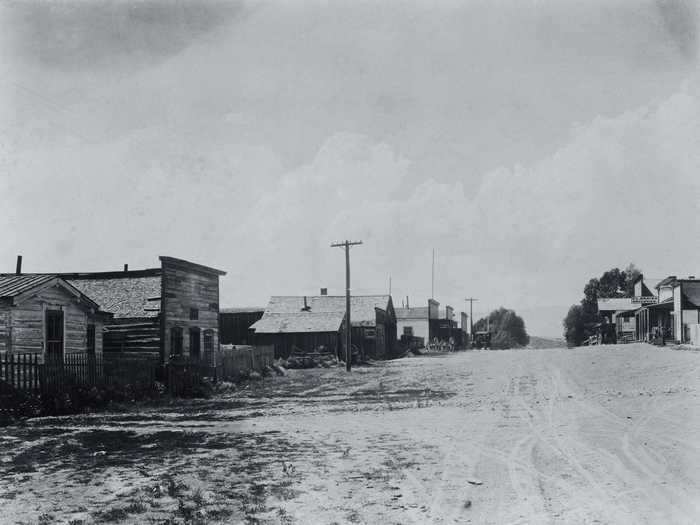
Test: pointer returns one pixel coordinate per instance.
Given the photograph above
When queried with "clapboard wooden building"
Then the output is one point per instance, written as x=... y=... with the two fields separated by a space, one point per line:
x=168 y=311
x=47 y=316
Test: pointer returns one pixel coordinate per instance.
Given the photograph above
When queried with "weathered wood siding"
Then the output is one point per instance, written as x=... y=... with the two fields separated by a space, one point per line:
x=286 y=343
x=23 y=329
x=182 y=290
x=4 y=328
x=234 y=327
x=129 y=336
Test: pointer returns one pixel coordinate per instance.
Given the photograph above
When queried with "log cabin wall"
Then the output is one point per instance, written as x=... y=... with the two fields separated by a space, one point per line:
x=133 y=335
x=4 y=328
x=189 y=300
x=23 y=325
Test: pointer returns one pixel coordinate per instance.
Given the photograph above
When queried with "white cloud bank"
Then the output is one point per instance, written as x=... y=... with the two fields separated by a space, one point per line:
x=622 y=189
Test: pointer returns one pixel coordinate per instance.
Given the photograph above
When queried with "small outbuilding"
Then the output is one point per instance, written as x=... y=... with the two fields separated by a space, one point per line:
x=372 y=318
x=45 y=315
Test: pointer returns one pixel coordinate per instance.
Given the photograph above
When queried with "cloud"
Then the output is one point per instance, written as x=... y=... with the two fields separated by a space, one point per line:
x=681 y=19
x=74 y=35
x=622 y=189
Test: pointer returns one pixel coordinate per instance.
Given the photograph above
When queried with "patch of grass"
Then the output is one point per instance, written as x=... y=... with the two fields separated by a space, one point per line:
x=45 y=519
x=111 y=515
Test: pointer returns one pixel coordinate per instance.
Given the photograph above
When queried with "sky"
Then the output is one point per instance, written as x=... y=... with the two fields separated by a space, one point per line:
x=533 y=145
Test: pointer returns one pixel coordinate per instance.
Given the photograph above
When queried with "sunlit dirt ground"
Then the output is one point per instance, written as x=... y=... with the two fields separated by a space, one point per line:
x=591 y=435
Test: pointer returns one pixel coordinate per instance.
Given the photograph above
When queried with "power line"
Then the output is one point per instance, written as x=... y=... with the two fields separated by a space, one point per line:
x=348 y=327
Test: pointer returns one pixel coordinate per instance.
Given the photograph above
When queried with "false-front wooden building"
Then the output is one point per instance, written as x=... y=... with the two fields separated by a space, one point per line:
x=47 y=316
x=168 y=311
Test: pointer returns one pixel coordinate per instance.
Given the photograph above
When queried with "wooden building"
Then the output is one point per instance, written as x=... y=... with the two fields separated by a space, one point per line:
x=168 y=311
x=419 y=321
x=45 y=315
x=235 y=323
x=372 y=318
x=303 y=331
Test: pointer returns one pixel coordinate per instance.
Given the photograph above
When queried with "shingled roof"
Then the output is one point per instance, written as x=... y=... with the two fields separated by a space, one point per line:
x=362 y=307
x=299 y=322
x=127 y=296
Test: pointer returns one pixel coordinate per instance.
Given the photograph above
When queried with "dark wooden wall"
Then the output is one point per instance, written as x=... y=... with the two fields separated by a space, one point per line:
x=306 y=342
x=234 y=327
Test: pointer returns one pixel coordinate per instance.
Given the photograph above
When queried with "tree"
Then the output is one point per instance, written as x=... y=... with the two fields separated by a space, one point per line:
x=580 y=320
x=507 y=327
x=574 y=325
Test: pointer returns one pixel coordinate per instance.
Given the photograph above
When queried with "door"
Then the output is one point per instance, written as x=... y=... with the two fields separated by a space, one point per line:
x=54 y=335
x=195 y=348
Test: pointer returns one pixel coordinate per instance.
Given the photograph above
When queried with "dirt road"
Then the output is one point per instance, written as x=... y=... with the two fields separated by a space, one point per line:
x=592 y=435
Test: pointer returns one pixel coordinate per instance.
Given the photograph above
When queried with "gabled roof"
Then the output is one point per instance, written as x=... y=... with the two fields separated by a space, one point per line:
x=12 y=285
x=299 y=322
x=362 y=307
x=16 y=287
x=419 y=312
x=668 y=281
x=126 y=296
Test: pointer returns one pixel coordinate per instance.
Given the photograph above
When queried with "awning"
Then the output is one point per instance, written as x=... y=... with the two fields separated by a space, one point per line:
x=666 y=305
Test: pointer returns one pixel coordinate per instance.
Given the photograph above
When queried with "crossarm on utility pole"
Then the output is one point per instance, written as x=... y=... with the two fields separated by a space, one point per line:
x=348 y=326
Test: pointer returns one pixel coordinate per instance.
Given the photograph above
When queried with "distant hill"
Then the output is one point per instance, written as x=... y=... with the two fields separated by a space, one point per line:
x=545 y=342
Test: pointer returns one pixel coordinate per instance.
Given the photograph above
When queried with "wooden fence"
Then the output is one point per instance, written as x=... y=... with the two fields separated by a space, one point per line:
x=31 y=372
x=233 y=362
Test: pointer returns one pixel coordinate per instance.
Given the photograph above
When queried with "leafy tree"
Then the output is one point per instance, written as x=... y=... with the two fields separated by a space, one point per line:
x=574 y=325
x=507 y=328
x=580 y=320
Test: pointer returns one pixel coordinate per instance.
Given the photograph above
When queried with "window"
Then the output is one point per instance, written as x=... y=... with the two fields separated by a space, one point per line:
x=91 y=339
x=194 y=314
x=408 y=331
x=176 y=340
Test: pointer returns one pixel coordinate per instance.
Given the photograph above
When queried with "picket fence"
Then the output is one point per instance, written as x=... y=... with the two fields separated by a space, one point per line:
x=31 y=372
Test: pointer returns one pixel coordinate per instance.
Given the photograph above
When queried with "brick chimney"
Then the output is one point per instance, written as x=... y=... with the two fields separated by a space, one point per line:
x=324 y=291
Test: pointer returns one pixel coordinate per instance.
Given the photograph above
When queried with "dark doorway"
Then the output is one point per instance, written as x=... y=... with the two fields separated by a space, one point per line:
x=209 y=346
x=54 y=335
x=91 y=339
x=176 y=340
x=195 y=343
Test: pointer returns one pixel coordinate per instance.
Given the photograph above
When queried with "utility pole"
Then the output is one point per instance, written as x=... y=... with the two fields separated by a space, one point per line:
x=348 y=326
x=471 y=315
x=432 y=278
